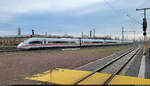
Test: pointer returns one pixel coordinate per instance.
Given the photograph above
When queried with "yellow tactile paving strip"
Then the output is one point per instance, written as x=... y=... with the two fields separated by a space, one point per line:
x=129 y=80
x=66 y=76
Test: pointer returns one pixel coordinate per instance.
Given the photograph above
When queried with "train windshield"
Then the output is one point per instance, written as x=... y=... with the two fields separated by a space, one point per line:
x=35 y=42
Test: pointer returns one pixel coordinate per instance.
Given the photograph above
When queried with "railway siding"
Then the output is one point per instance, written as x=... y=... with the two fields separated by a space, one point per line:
x=95 y=64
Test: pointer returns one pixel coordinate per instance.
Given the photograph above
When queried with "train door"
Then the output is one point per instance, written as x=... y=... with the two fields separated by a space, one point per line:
x=80 y=42
x=44 y=43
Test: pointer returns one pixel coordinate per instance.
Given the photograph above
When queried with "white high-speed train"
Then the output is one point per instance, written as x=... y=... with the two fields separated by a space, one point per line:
x=33 y=43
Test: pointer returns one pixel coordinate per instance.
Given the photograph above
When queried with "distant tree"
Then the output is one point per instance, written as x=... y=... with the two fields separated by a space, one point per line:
x=116 y=38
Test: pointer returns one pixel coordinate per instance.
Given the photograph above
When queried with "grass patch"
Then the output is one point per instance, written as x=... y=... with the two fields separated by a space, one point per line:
x=102 y=49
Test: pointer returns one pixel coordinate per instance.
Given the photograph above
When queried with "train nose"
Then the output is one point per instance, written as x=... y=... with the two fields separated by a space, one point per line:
x=20 y=45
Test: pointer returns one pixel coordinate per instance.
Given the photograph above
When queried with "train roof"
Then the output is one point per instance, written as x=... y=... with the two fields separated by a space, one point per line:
x=112 y=40
x=67 y=39
x=50 y=39
x=62 y=39
x=96 y=40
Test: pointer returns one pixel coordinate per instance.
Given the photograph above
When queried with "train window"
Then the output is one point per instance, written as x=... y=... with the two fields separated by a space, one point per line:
x=35 y=42
x=65 y=42
x=51 y=42
x=110 y=42
x=87 y=42
x=60 y=42
x=97 y=42
x=93 y=42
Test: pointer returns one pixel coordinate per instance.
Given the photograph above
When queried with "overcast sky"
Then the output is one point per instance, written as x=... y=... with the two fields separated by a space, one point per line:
x=72 y=16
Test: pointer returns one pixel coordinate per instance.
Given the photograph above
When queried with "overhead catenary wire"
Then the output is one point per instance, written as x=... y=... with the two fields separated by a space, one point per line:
x=118 y=12
x=112 y=7
x=122 y=12
x=145 y=2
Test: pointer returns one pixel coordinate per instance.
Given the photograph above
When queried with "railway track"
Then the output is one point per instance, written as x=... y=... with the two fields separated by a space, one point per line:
x=130 y=54
x=121 y=60
x=10 y=50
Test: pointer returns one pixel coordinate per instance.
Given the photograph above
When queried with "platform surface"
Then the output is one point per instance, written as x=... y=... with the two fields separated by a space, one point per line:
x=67 y=76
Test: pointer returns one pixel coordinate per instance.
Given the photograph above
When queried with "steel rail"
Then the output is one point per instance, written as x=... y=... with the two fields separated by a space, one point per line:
x=10 y=50
x=122 y=67
x=104 y=66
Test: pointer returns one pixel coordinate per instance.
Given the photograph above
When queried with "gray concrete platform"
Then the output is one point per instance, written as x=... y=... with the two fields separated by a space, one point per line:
x=140 y=66
x=134 y=67
x=147 y=65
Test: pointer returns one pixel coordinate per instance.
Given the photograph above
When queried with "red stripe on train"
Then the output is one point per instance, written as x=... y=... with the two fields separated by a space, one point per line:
x=28 y=45
x=48 y=44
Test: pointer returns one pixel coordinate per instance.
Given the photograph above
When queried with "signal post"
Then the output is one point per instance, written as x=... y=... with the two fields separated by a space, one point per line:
x=144 y=27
